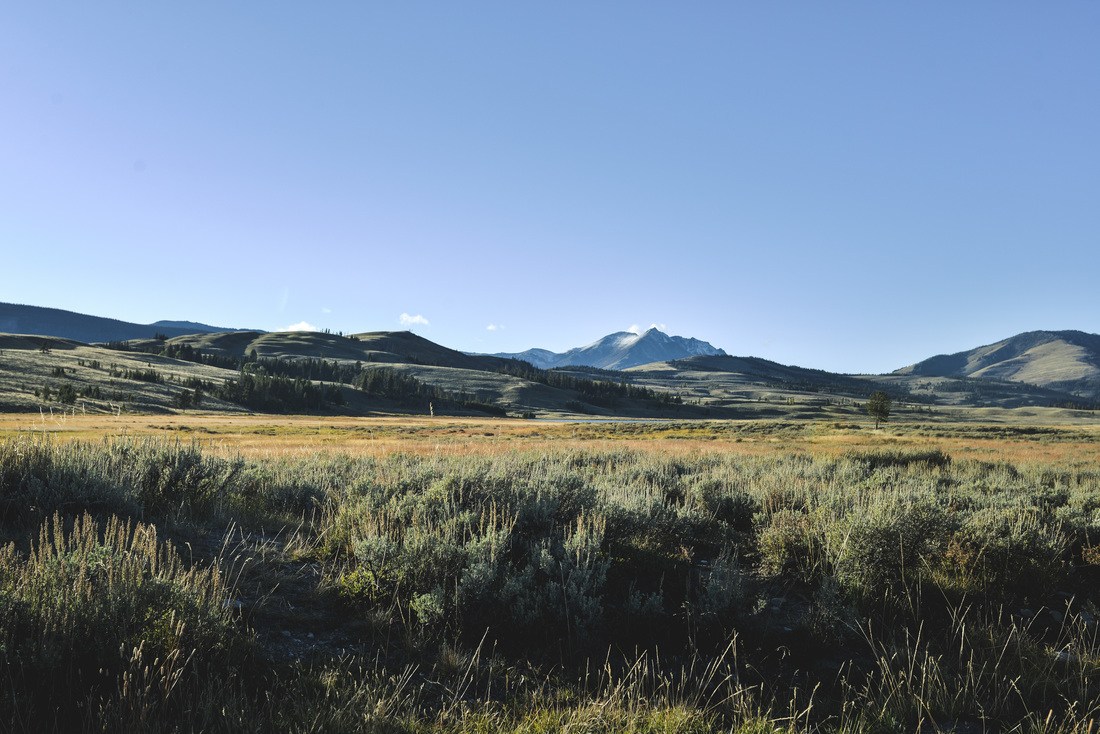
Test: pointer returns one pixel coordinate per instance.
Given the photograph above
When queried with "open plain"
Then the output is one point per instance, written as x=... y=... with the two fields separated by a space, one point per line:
x=1000 y=435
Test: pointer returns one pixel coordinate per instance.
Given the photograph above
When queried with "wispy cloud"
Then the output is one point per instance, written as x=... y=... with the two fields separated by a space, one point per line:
x=300 y=326
x=326 y=309
x=417 y=320
x=494 y=327
x=635 y=329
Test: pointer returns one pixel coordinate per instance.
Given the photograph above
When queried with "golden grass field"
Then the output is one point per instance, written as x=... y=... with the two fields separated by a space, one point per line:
x=268 y=436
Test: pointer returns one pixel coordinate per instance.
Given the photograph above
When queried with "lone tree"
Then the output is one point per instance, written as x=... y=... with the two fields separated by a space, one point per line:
x=878 y=407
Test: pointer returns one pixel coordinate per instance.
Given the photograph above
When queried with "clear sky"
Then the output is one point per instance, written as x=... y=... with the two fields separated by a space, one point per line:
x=850 y=186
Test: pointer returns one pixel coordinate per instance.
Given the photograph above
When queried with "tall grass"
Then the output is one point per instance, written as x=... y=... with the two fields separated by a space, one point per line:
x=572 y=590
x=104 y=618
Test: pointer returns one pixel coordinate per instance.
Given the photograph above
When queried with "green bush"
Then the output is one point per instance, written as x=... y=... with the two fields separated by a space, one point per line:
x=792 y=545
x=890 y=545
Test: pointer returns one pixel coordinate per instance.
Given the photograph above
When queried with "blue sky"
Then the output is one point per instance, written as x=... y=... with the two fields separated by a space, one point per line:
x=849 y=186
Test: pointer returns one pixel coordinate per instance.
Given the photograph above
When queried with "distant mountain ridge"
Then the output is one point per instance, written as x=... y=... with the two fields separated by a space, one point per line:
x=1065 y=363
x=20 y=319
x=1060 y=360
x=621 y=350
x=1057 y=369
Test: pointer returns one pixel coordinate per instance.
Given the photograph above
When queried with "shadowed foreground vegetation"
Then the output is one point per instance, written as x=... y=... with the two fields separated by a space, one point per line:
x=149 y=586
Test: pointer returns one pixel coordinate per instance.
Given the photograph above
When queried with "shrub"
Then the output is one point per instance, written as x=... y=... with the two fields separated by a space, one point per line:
x=889 y=545
x=1008 y=553
x=792 y=545
x=38 y=477
x=87 y=609
x=881 y=459
x=156 y=479
x=732 y=507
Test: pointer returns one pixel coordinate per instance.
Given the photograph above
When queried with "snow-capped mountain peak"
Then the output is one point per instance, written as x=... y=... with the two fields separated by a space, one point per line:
x=622 y=350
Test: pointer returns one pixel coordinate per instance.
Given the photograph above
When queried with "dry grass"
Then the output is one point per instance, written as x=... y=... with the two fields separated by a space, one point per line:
x=262 y=436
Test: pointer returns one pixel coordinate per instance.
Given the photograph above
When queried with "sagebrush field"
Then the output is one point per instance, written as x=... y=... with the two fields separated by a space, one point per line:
x=226 y=573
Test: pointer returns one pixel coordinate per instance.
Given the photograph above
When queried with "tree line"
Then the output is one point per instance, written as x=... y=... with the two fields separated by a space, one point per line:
x=388 y=383
x=258 y=390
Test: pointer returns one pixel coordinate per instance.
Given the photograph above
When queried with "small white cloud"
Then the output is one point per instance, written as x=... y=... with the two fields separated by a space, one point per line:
x=636 y=329
x=417 y=320
x=300 y=326
x=494 y=327
x=326 y=309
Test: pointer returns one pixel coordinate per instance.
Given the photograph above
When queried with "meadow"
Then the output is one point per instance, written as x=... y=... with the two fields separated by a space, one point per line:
x=326 y=574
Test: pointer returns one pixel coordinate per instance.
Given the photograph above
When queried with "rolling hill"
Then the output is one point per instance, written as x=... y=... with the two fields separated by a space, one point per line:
x=485 y=380
x=732 y=382
x=764 y=373
x=1067 y=361
x=391 y=347
x=102 y=380
x=623 y=374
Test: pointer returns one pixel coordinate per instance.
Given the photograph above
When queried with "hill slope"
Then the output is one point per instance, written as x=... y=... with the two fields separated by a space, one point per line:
x=1068 y=361
x=765 y=372
x=19 y=319
x=483 y=378
x=621 y=350
x=395 y=347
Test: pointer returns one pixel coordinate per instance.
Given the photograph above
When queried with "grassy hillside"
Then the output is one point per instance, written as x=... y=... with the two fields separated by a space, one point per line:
x=402 y=347
x=979 y=392
x=744 y=382
x=486 y=379
x=146 y=378
x=102 y=380
x=278 y=345
x=763 y=373
x=25 y=368
x=1068 y=361
x=63 y=375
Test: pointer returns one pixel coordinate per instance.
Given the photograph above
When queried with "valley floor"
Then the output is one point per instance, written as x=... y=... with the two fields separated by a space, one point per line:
x=1005 y=434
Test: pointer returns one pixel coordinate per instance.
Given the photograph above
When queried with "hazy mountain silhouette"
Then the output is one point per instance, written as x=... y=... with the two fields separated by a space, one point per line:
x=19 y=319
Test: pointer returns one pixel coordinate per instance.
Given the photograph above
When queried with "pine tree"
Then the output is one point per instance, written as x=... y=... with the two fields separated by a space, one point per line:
x=878 y=407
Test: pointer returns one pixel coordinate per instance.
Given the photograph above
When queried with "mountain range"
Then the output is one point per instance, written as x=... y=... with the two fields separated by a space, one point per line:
x=20 y=319
x=1036 y=367
x=620 y=351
